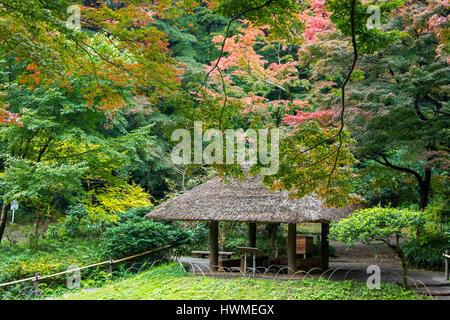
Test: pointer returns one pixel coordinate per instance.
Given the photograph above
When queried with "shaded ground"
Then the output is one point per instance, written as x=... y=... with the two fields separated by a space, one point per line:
x=362 y=253
x=352 y=264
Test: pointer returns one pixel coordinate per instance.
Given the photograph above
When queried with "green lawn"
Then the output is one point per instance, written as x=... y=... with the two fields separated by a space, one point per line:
x=171 y=282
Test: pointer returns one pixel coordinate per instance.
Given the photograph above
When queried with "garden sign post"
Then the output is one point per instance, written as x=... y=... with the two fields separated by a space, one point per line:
x=14 y=207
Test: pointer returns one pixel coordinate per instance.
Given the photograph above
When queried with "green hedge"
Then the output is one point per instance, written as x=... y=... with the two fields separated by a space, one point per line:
x=426 y=252
x=135 y=234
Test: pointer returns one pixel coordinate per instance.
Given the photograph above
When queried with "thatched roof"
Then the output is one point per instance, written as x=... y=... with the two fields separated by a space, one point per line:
x=244 y=201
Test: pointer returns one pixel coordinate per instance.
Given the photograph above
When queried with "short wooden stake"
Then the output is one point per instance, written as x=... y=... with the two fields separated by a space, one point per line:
x=254 y=264
x=36 y=286
x=245 y=263
x=111 y=262
x=446 y=266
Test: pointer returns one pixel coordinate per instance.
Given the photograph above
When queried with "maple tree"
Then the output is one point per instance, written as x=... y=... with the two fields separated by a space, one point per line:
x=263 y=93
x=116 y=58
x=126 y=54
x=397 y=96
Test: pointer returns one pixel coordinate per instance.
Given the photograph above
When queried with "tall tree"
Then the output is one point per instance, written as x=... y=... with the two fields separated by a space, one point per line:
x=398 y=97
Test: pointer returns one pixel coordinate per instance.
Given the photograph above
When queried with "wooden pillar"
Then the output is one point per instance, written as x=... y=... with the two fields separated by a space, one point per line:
x=214 y=245
x=324 y=245
x=252 y=235
x=292 y=246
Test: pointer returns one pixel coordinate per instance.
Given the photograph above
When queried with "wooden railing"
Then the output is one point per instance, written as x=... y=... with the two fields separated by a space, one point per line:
x=110 y=262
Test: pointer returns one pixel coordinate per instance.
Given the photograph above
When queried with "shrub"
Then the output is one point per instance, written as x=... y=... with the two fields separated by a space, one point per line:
x=376 y=225
x=426 y=251
x=134 y=234
x=54 y=256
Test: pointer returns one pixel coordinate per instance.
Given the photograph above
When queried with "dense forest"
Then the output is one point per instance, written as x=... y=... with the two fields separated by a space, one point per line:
x=91 y=92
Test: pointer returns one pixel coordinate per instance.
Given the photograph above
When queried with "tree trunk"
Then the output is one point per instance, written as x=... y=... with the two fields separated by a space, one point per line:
x=425 y=187
x=3 y=218
x=36 y=232
x=404 y=273
x=398 y=250
x=45 y=228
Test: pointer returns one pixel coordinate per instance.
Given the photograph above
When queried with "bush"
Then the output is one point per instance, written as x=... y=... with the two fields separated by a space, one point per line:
x=54 y=256
x=426 y=251
x=135 y=234
x=376 y=225
x=75 y=224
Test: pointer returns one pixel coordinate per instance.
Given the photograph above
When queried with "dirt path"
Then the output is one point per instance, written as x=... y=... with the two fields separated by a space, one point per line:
x=362 y=253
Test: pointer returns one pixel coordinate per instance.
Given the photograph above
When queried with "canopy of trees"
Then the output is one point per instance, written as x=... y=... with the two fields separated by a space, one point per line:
x=86 y=114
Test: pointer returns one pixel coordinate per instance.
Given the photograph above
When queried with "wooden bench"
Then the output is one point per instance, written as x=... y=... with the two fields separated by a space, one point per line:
x=206 y=253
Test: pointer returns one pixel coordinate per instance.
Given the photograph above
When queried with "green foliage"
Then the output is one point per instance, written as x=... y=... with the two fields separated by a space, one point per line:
x=135 y=234
x=376 y=224
x=426 y=251
x=105 y=205
x=286 y=25
x=19 y=262
x=438 y=210
x=190 y=36
x=313 y=160
x=368 y=40
x=39 y=182
x=75 y=224
x=380 y=185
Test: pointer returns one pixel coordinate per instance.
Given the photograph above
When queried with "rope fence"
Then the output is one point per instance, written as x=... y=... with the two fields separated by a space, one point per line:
x=37 y=278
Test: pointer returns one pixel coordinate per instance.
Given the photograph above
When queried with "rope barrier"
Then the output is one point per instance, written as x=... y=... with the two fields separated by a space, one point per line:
x=82 y=268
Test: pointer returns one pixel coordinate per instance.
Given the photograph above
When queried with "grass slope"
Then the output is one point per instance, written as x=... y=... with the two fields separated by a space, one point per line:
x=171 y=282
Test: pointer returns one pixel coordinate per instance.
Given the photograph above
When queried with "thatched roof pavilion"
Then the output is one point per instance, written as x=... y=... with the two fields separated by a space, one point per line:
x=249 y=201
x=244 y=201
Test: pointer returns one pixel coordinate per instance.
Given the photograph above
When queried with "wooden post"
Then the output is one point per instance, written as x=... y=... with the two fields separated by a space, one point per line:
x=214 y=245
x=254 y=264
x=324 y=245
x=291 y=250
x=252 y=235
x=111 y=262
x=446 y=266
x=245 y=263
x=36 y=286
